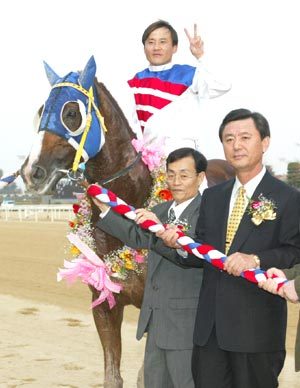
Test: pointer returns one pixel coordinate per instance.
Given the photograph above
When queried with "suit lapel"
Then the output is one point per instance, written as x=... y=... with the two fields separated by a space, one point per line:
x=192 y=210
x=223 y=210
x=162 y=214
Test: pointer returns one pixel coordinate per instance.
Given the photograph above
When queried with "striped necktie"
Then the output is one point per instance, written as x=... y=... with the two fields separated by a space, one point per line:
x=235 y=216
x=172 y=216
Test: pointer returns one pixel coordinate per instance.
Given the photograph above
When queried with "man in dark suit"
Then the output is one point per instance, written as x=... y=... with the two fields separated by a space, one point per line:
x=239 y=335
x=171 y=291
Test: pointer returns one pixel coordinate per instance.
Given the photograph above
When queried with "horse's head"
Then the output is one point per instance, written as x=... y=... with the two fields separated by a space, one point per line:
x=69 y=124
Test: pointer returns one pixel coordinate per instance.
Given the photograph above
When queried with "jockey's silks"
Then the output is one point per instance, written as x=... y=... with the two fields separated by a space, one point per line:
x=154 y=89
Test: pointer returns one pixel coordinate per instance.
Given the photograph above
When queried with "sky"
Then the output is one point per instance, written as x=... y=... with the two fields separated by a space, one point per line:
x=253 y=44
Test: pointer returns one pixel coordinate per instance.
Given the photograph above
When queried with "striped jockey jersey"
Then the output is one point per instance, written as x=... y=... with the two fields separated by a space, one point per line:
x=153 y=90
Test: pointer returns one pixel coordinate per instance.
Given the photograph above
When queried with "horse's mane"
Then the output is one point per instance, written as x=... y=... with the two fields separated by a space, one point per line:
x=102 y=90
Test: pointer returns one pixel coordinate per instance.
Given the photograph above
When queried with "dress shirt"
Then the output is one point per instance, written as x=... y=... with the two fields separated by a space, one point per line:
x=249 y=188
x=178 y=209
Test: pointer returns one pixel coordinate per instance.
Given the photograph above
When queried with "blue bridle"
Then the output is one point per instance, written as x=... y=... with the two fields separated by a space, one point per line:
x=89 y=138
x=75 y=87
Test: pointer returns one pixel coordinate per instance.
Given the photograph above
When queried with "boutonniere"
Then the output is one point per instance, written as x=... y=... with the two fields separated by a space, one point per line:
x=182 y=224
x=262 y=209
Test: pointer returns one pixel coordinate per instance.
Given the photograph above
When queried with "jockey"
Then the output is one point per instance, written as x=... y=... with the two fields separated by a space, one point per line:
x=169 y=98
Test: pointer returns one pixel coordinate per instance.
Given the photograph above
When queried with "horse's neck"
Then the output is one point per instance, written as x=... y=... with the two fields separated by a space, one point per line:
x=118 y=153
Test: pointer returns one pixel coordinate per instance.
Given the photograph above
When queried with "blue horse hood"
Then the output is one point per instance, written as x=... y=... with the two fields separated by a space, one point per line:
x=51 y=119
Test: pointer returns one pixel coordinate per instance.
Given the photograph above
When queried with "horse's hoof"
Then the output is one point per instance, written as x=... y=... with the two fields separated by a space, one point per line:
x=140 y=380
x=114 y=384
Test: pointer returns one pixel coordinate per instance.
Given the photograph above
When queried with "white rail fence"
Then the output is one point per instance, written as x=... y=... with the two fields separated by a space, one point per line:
x=37 y=213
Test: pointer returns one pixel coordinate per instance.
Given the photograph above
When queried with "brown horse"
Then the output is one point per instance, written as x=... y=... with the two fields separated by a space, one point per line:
x=114 y=163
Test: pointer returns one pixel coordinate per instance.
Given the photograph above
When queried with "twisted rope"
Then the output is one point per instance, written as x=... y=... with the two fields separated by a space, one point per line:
x=202 y=251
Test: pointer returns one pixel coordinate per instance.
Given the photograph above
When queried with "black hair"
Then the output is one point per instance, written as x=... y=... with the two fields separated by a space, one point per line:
x=160 y=24
x=180 y=153
x=260 y=121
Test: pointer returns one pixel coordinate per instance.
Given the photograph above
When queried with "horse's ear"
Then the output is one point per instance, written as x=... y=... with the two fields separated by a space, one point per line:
x=86 y=78
x=51 y=75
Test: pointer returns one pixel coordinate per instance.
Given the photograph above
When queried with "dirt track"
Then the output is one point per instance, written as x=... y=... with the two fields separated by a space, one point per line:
x=47 y=334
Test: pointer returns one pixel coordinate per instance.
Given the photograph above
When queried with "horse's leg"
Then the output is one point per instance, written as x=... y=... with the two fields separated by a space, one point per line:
x=140 y=380
x=108 y=323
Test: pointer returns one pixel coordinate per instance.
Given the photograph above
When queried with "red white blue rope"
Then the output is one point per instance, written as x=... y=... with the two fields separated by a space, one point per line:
x=202 y=251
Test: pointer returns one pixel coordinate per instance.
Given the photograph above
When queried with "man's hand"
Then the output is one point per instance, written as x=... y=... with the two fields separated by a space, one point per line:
x=102 y=206
x=289 y=292
x=143 y=215
x=169 y=237
x=196 y=43
x=270 y=285
x=238 y=263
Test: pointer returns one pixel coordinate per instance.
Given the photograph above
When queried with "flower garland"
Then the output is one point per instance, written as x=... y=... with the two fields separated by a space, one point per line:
x=122 y=261
x=81 y=225
x=159 y=192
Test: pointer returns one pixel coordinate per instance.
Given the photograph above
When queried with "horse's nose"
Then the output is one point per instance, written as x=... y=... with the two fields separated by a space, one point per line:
x=38 y=173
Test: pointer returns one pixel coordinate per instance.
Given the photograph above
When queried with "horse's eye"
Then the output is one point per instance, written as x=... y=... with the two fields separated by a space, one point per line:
x=71 y=114
x=73 y=117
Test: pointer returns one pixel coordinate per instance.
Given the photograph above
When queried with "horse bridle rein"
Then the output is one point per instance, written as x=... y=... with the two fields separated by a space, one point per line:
x=122 y=172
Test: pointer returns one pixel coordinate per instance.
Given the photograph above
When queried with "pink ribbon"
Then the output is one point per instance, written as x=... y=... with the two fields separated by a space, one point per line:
x=92 y=270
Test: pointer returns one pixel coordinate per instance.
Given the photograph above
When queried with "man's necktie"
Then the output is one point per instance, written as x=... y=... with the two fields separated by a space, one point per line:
x=172 y=216
x=235 y=216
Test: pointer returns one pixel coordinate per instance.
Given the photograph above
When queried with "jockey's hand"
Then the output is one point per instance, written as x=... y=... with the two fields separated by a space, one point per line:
x=102 y=206
x=238 y=263
x=143 y=215
x=196 y=43
x=169 y=236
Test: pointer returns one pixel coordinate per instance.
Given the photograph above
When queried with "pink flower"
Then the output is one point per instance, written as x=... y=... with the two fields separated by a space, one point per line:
x=256 y=205
x=139 y=258
x=151 y=153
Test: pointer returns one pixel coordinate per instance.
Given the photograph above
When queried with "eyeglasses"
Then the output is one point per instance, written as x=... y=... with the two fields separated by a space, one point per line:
x=182 y=177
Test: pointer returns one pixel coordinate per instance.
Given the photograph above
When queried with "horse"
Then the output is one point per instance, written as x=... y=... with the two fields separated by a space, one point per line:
x=111 y=160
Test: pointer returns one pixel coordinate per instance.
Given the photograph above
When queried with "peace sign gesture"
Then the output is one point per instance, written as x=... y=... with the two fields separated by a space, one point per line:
x=196 y=43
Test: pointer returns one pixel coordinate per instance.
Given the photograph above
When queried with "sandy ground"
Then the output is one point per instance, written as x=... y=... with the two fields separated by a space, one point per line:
x=47 y=334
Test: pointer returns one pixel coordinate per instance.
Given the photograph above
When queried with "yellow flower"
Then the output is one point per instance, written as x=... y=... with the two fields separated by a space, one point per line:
x=257 y=219
x=129 y=265
x=74 y=251
x=116 y=267
x=269 y=215
x=161 y=177
x=126 y=255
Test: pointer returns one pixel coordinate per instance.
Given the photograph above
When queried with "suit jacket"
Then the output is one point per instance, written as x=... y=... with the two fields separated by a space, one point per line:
x=294 y=273
x=171 y=291
x=247 y=319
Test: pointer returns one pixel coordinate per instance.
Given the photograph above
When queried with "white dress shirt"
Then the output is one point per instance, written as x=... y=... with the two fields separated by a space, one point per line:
x=250 y=187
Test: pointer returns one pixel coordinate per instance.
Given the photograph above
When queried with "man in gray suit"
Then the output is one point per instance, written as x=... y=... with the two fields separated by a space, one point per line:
x=171 y=291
